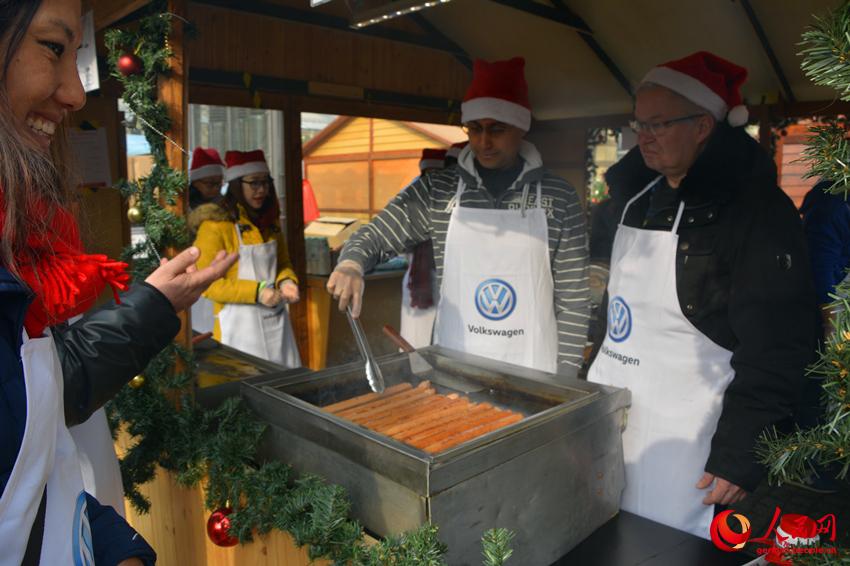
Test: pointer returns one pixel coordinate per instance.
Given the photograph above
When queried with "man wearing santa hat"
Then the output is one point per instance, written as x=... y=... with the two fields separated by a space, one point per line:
x=509 y=238
x=712 y=316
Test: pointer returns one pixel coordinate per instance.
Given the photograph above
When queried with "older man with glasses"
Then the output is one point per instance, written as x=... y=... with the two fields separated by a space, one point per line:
x=509 y=238
x=710 y=297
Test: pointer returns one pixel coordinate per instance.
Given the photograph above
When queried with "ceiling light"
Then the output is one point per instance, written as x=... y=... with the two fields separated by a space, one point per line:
x=389 y=10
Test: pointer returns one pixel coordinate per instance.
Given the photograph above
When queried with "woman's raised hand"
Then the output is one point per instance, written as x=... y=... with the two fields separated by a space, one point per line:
x=180 y=280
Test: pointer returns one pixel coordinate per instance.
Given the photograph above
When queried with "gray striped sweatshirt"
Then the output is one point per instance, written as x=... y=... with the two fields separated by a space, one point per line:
x=422 y=210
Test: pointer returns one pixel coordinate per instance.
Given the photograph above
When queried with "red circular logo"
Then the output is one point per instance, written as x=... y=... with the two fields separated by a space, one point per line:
x=724 y=536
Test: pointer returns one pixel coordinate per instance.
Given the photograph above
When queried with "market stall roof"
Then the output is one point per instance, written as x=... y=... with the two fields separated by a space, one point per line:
x=567 y=79
x=583 y=57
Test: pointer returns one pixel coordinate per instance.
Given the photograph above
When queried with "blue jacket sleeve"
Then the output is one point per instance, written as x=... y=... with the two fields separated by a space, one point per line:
x=113 y=538
x=827 y=226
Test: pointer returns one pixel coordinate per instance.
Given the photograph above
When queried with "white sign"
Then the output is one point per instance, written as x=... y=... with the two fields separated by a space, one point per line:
x=91 y=155
x=87 y=55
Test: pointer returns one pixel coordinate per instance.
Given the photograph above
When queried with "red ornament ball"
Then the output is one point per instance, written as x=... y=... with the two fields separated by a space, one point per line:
x=129 y=64
x=218 y=526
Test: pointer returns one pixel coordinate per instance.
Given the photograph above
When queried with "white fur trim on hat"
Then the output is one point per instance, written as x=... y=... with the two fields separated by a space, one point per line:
x=204 y=171
x=430 y=164
x=245 y=169
x=496 y=109
x=785 y=540
x=738 y=116
x=690 y=88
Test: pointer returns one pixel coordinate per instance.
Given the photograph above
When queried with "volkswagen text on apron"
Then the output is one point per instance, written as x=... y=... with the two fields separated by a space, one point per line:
x=48 y=457
x=677 y=377
x=496 y=297
x=253 y=328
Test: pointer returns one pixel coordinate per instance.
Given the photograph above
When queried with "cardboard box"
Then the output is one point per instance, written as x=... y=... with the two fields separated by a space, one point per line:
x=335 y=229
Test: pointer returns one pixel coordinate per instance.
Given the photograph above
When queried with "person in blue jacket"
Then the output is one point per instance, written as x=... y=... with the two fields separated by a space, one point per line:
x=54 y=375
x=826 y=223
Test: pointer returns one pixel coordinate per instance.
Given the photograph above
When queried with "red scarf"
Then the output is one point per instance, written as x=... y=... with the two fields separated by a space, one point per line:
x=65 y=281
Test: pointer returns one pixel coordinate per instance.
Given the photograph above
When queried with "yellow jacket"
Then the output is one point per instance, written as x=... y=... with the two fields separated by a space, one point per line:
x=215 y=231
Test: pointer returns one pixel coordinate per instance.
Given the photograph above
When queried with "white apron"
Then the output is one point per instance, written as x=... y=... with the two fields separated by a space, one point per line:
x=417 y=325
x=253 y=328
x=203 y=318
x=98 y=462
x=497 y=294
x=677 y=377
x=48 y=457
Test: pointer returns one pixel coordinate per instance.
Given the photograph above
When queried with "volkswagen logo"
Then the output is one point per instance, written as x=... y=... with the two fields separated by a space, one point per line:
x=619 y=319
x=495 y=299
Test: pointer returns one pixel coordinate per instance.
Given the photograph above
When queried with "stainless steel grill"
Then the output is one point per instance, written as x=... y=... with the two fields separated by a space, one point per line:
x=553 y=477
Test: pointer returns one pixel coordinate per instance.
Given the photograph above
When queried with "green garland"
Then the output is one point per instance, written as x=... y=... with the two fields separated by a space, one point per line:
x=171 y=431
x=826 y=49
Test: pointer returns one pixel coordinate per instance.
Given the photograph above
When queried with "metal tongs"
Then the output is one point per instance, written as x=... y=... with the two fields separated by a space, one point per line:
x=373 y=370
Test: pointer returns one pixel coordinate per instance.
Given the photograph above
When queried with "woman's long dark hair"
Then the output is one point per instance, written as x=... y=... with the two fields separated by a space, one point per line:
x=27 y=175
x=267 y=218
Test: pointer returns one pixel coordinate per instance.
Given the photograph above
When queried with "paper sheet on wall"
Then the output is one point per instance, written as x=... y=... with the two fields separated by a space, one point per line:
x=87 y=55
x=91 y=155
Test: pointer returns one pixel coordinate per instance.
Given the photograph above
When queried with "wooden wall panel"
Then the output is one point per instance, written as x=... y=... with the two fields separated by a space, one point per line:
x=391 y=176
x=340 y=186
x=230 y=40
x=392 y=136
x=351 y=138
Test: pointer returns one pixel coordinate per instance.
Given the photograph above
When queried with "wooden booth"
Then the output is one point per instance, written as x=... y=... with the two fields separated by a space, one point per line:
x=404 y=76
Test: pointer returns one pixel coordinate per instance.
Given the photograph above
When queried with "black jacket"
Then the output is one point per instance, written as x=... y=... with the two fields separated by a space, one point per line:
x=743 y=279
x=99 y=355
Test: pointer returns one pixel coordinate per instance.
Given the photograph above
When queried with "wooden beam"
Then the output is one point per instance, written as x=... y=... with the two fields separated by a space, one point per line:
x=174 y=93
x=432 y=31
x=768 y=50
x=232 y=79
x=107 y=12
x=546 y=12
x=294 y=229
x=594 y=46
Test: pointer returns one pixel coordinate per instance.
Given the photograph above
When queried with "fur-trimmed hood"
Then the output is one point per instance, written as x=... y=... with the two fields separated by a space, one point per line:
x=209 y=211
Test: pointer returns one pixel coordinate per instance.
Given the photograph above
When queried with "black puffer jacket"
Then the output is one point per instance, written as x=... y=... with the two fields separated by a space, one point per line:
x=99 y=355
x=743 y=279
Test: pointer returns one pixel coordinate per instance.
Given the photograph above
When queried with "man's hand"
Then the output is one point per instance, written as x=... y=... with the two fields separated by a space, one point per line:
x=724 y=492
x=346 y=285
x=289 y=291
x=181 y=282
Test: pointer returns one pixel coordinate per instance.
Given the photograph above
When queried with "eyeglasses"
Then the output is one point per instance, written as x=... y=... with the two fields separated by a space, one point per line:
x=474 y=129
x=658 y=128
x=259 y=184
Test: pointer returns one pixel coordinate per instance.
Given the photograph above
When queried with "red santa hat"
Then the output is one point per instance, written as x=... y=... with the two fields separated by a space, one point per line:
x=498 y=91
x=708 y=81
x=241 y=163
x=796 y=530
x=205 y=163
x=432 y=158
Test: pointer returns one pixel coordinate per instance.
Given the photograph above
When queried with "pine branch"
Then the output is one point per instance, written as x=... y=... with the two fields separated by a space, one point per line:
x=496 y=546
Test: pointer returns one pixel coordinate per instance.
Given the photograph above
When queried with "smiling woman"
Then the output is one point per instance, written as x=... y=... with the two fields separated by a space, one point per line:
x=52 y=374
